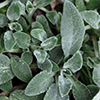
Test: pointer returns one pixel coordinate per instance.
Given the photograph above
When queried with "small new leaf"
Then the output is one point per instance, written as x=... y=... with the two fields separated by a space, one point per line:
x=49 y=43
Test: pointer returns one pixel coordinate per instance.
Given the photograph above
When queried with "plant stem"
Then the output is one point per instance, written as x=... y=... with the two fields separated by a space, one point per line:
x=3 y=4
x=95 y=45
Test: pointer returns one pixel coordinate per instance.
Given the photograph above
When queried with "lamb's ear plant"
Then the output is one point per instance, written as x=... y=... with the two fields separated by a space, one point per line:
x=61 y=66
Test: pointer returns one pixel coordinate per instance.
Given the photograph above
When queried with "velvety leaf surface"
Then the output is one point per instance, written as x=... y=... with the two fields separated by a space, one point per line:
x=96 y=75
x=36 y=24
x=5 y=71
x=53 y=94
x=9 y=40
x=65 y=85
x=13 y=12
x=81 y=92
x=72 y=29
x=29 y=6
x=22 y=39
x=46 y=65
x=40 y=55
x=80 y=5
x=52 y=16
x=74 y=63
x=39 y=84
x=42 y=3
x=39 y=34
x=92 y=18
x=44 y=23
x=19 y=95
x=15 y=26
x=21 y=69
x=27 y=57
x=3 y=20
x=97 y=96
x=49 y=43
x=6 y=87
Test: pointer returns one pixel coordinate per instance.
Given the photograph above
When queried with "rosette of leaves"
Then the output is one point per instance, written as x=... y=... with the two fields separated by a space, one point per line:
x=62 y=59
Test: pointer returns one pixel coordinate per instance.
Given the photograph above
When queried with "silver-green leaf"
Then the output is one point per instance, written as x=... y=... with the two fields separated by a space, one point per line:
x=49 y=43
x=22 y=39
x=53 y=94
x=39 y=83
x=74 y=63
x=9 y=40
x=5 y=70
x=39 y=34
x=40 y=55
x=65 y=85
x=72 y=29
x=92 y=18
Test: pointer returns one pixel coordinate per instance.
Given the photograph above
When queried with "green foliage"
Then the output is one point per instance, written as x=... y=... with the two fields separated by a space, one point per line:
x=54 y=55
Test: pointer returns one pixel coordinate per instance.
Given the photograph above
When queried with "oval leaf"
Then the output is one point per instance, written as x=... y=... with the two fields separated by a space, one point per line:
x=5 y=71
x=21 y=69
x=39 y=34
x=49 y=43
x=22 y=39
x=36 y=85
x=3 y=20
x=13 y=12
x=72 y=29
x=40 y=55
x=92 y=18
x=53 y=94
x=47 y=65
x=81 y=92
x=19 y=95
x=9 y=40
x=27 y=57
x=75 y=63
x=65 y=85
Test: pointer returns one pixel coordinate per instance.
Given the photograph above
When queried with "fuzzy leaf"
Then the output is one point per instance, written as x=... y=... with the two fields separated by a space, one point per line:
x=74 y=63
x=39 y=34
x=53 y=94
x=15 y=26
x=40 y=55
x=9 y=40
x=21 y=69
x=96 y=75
x=36 y=24
x=19 y=95
x=13 y=12
x=97 y=96
x=47 y=65
x=27 y=57
x=7 y=87
x=81 y=92
x=72 y=29
x=39 y=84
x=80 y=5
x=5 y=71
x=29 y=6
x=92 y=18
x=22 y=39
x=49 y=43
x=44 y=23
x=42 y=3
x=65 y=85
x=52 y=16
x=3 y=20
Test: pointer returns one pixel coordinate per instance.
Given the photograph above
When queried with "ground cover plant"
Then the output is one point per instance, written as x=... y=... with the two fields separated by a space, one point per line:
x=50 y=56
